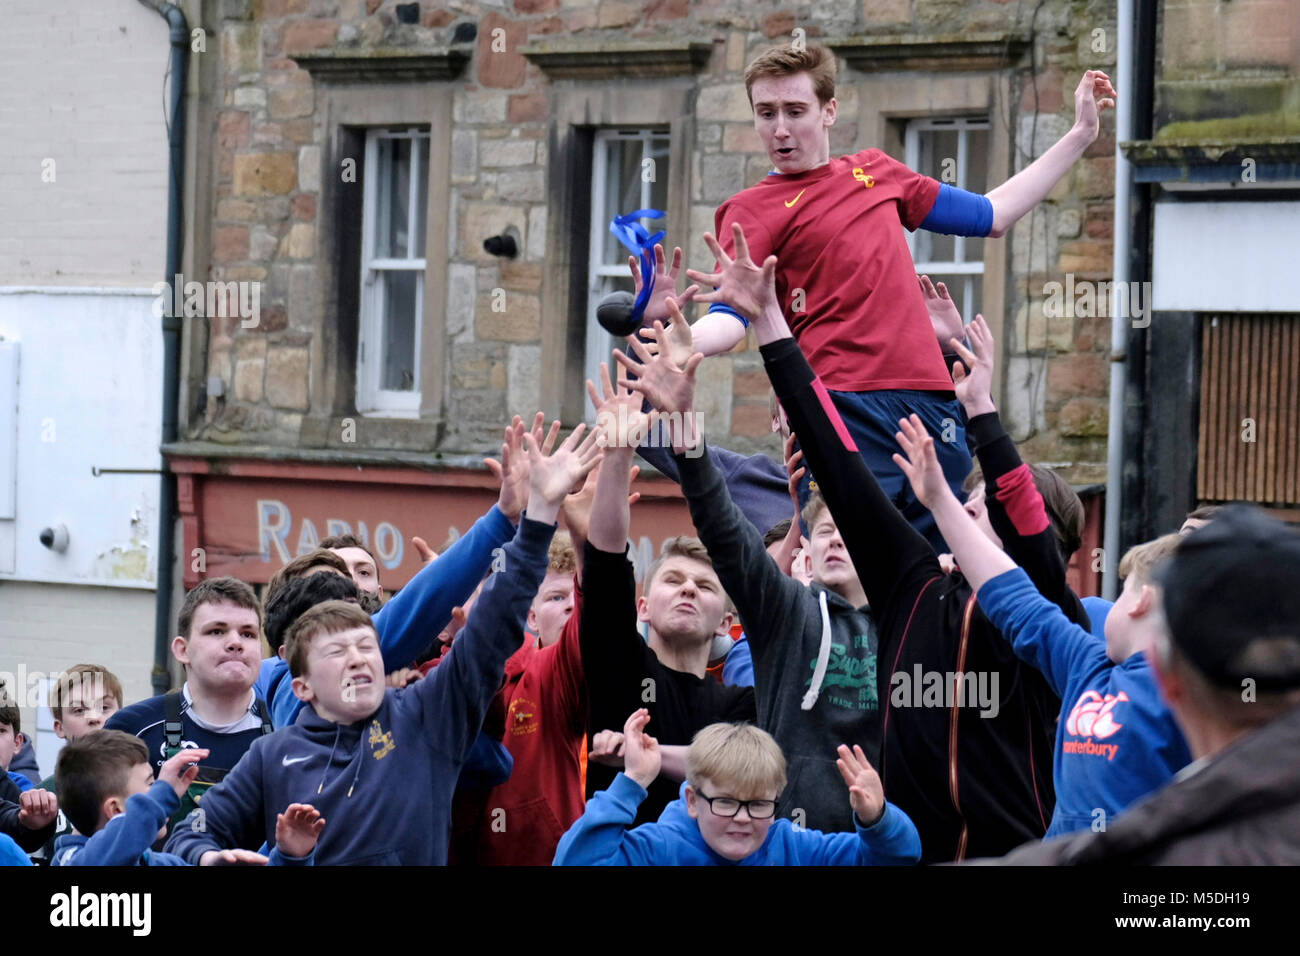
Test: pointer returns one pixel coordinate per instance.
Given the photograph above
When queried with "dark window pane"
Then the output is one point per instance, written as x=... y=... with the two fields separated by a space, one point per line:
x=399 y=359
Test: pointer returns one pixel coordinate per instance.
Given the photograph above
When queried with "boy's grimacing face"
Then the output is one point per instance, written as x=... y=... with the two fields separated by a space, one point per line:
x=731 y=838
x=344 y=679
x=831 y=564
x=10 y=743
x=84 y=710
x=685 y=600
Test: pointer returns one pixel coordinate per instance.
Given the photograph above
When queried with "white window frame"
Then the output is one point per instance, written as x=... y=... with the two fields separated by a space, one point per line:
x=969 y=269
x=599 y=343
x=371 y=398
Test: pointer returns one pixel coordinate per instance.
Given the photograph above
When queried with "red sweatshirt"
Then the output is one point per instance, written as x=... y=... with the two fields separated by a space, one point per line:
x=545 y=699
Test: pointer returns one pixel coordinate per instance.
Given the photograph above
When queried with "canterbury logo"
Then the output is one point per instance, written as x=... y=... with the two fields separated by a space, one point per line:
x=1093 y=715
x=791 y=203
x=860 y=176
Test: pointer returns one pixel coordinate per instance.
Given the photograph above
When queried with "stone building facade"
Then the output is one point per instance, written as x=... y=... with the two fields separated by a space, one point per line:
x=532 y=113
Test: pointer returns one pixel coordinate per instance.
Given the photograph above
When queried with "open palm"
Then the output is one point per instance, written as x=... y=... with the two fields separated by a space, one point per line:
x=665 y=385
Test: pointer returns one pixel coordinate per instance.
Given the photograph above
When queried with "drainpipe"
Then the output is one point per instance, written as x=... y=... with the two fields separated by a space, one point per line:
x=1119 y=302
x=171 y=326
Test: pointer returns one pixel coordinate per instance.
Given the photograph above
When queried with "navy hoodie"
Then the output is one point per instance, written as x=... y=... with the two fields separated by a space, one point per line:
x=383 y=784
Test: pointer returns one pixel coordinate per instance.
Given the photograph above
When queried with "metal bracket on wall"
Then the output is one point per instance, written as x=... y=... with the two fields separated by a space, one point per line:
x=97 y=471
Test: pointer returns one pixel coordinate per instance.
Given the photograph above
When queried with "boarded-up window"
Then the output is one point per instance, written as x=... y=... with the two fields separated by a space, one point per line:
x=1249 y=443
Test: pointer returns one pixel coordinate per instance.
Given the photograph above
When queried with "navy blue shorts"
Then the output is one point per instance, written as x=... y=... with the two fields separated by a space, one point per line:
x=872 y=419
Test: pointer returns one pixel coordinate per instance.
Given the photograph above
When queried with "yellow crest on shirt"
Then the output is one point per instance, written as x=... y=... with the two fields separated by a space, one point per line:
x=381 y=738
x=860 y=176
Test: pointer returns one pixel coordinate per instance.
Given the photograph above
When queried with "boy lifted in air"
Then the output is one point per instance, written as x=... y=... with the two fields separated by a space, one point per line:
x=859 y=315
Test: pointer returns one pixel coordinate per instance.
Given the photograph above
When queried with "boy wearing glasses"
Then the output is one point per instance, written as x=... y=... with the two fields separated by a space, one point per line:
x=726 y=812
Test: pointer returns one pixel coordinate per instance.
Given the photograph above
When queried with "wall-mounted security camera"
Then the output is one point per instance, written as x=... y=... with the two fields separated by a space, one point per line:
x=505 y=245
x=56 y=538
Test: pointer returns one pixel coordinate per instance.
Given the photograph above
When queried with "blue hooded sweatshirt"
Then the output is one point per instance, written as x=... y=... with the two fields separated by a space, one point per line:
x=383 y=784
x=601 y=838
x=414 y=616
x=1116 y=740
x=125 y=839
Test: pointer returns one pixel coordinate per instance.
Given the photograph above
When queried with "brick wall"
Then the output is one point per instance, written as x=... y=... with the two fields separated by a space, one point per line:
x=268 y=216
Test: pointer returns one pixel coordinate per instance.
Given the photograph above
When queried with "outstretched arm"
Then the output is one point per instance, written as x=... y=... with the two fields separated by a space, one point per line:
x=891 y=558
x=979 y=557
x=1023 y=191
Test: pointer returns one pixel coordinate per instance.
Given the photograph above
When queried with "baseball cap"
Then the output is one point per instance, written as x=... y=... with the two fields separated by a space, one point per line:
x=1229 y=584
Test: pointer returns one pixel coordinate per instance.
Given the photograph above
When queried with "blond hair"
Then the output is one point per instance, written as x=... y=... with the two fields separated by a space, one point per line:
x=1141 y=559
x=739 y=758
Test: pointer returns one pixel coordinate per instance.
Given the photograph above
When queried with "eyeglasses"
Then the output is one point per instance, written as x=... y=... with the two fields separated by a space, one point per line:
x=729 y=807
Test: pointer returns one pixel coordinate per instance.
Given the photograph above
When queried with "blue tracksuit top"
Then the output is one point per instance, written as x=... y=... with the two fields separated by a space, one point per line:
x=601 y=838
x=1116 y=741
x=409 y=622
x=383 y=784
x=125 y=839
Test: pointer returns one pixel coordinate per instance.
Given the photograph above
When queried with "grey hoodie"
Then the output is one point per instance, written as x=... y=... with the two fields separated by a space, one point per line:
x=814 y=654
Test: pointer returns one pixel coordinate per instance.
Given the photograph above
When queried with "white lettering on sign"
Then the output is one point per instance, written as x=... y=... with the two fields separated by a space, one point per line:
x=275 y=524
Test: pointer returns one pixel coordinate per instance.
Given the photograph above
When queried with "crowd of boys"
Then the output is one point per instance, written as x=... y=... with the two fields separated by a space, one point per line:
x=916 y=680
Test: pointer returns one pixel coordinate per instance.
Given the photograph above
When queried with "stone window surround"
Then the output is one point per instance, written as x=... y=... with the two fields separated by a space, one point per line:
x=578 y=109
x=916 y=95
x=344 y=111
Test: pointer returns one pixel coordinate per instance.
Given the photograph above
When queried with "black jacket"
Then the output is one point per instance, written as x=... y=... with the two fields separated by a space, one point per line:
x=976 y=779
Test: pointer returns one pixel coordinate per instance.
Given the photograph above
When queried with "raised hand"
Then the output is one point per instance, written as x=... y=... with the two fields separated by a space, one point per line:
x=921 y=465
x=866 y=794
x=512 y=469
x=607 y=748
x=232 y=858
x=181 y=769
x=748 y=288
x=402 y=677
x=427 y=554
x=1093 y=95
x=37 y=809
x=552 y=476
x=973 y=381
x=794 y=471
x=665 y=288
x=298 y=829
x=945 y=319
x=576 y=507
x=666 y=385
x=619 y=418
x=641 y=757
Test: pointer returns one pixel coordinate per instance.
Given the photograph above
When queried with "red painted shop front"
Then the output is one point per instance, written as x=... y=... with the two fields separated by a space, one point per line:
x=247 y=517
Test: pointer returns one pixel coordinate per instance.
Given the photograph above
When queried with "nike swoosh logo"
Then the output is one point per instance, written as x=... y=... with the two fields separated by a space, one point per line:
x=287 y=761
x=796 y=198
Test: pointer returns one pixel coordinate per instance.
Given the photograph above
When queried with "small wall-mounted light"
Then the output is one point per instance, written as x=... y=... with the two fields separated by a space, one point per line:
x=504 y=245
x=56 y=538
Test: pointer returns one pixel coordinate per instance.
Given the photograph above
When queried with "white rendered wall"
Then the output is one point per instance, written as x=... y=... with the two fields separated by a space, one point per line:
x=1225 y=256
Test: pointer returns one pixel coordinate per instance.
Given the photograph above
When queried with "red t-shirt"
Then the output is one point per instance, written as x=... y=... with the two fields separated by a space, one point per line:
x=860 y=319
x=546 y=730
